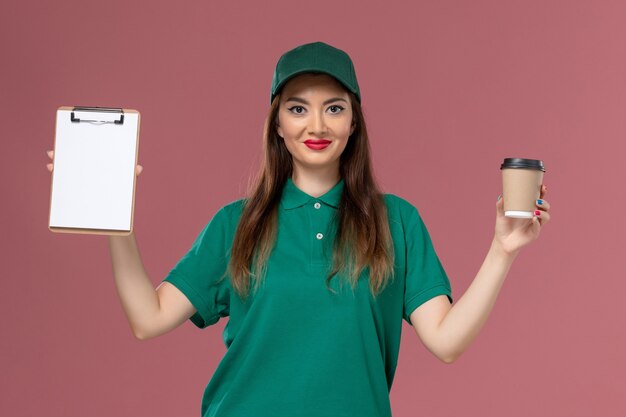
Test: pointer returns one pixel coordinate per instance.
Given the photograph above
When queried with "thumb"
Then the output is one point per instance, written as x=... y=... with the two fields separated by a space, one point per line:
x=500 y=206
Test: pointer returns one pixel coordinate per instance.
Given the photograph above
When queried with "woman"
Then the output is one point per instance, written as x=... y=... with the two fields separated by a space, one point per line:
x=316 y=268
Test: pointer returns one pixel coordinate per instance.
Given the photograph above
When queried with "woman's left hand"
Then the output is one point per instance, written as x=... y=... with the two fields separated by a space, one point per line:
x=512 y=234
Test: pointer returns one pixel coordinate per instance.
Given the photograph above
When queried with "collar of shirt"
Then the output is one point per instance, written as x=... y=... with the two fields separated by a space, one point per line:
x=293 y=197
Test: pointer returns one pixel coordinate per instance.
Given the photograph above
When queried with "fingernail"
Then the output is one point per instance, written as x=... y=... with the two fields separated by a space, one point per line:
x=537 y=213
x=540 y=202
x=499 y=197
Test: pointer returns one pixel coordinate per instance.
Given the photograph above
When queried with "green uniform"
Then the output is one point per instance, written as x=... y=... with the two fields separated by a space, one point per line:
x=295 y=349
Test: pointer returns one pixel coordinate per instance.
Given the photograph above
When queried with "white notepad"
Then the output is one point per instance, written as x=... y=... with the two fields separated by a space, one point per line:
x=93 y=180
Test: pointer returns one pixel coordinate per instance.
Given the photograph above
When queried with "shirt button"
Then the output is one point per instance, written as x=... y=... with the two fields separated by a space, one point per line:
x=317 y=205
x=319 y=236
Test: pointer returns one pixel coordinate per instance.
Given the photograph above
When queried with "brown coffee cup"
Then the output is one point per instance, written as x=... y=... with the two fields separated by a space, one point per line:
x=521 y=186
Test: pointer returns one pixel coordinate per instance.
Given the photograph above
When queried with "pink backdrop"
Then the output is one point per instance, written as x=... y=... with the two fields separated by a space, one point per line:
x=449 y=88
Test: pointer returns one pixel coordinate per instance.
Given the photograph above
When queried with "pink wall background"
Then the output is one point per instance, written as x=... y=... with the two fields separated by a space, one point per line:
x=449 y=88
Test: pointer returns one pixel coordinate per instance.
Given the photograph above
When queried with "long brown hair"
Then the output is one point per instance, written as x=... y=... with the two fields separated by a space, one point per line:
x=362 y=216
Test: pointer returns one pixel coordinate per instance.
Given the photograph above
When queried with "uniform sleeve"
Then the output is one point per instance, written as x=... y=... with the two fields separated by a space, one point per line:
x=197 y=273
x=425 y=277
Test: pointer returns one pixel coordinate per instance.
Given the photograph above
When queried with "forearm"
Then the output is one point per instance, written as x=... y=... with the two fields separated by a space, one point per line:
x=137 y=294
x=467 y=316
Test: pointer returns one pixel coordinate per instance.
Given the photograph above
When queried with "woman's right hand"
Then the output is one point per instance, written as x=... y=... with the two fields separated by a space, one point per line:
x=50 y=167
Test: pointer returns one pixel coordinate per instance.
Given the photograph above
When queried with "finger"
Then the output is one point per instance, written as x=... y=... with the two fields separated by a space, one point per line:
x=542 y=204
x=138 y=169
x=50 y=154
x=50 y=167
x=536 y=224
x=543 y=217
x=543 y=190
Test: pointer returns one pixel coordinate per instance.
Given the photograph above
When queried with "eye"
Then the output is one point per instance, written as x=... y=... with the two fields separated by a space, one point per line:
x=337 y=107
x=291 y=109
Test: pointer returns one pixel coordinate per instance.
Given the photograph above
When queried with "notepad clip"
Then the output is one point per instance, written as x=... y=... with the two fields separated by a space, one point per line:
x=100 y=110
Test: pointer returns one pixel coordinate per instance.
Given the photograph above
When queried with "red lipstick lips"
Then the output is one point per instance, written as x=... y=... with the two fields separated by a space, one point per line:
x=317 y=144
x=317 y=141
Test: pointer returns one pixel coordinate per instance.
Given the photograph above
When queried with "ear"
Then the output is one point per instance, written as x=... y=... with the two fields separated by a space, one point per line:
x=279 y=130
x=352 y=128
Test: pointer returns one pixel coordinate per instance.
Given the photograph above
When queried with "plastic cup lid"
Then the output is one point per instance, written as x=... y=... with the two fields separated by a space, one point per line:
x=523 y=163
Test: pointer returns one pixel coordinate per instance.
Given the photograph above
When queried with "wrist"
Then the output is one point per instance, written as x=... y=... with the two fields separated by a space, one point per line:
x=501 y=252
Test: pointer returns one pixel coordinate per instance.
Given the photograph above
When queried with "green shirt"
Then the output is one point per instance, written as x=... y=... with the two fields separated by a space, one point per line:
x=295 y=349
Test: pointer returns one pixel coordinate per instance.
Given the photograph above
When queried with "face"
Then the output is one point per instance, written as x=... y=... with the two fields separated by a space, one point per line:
x=314 y=107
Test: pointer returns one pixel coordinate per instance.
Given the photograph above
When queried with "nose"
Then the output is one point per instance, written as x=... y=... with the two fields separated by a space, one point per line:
x=317 y=125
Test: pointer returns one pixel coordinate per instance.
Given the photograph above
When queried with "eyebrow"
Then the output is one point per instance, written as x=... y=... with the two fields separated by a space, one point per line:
x=303 y=101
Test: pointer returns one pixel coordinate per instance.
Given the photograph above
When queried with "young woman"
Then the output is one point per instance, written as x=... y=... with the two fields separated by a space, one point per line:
x=315 y=267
